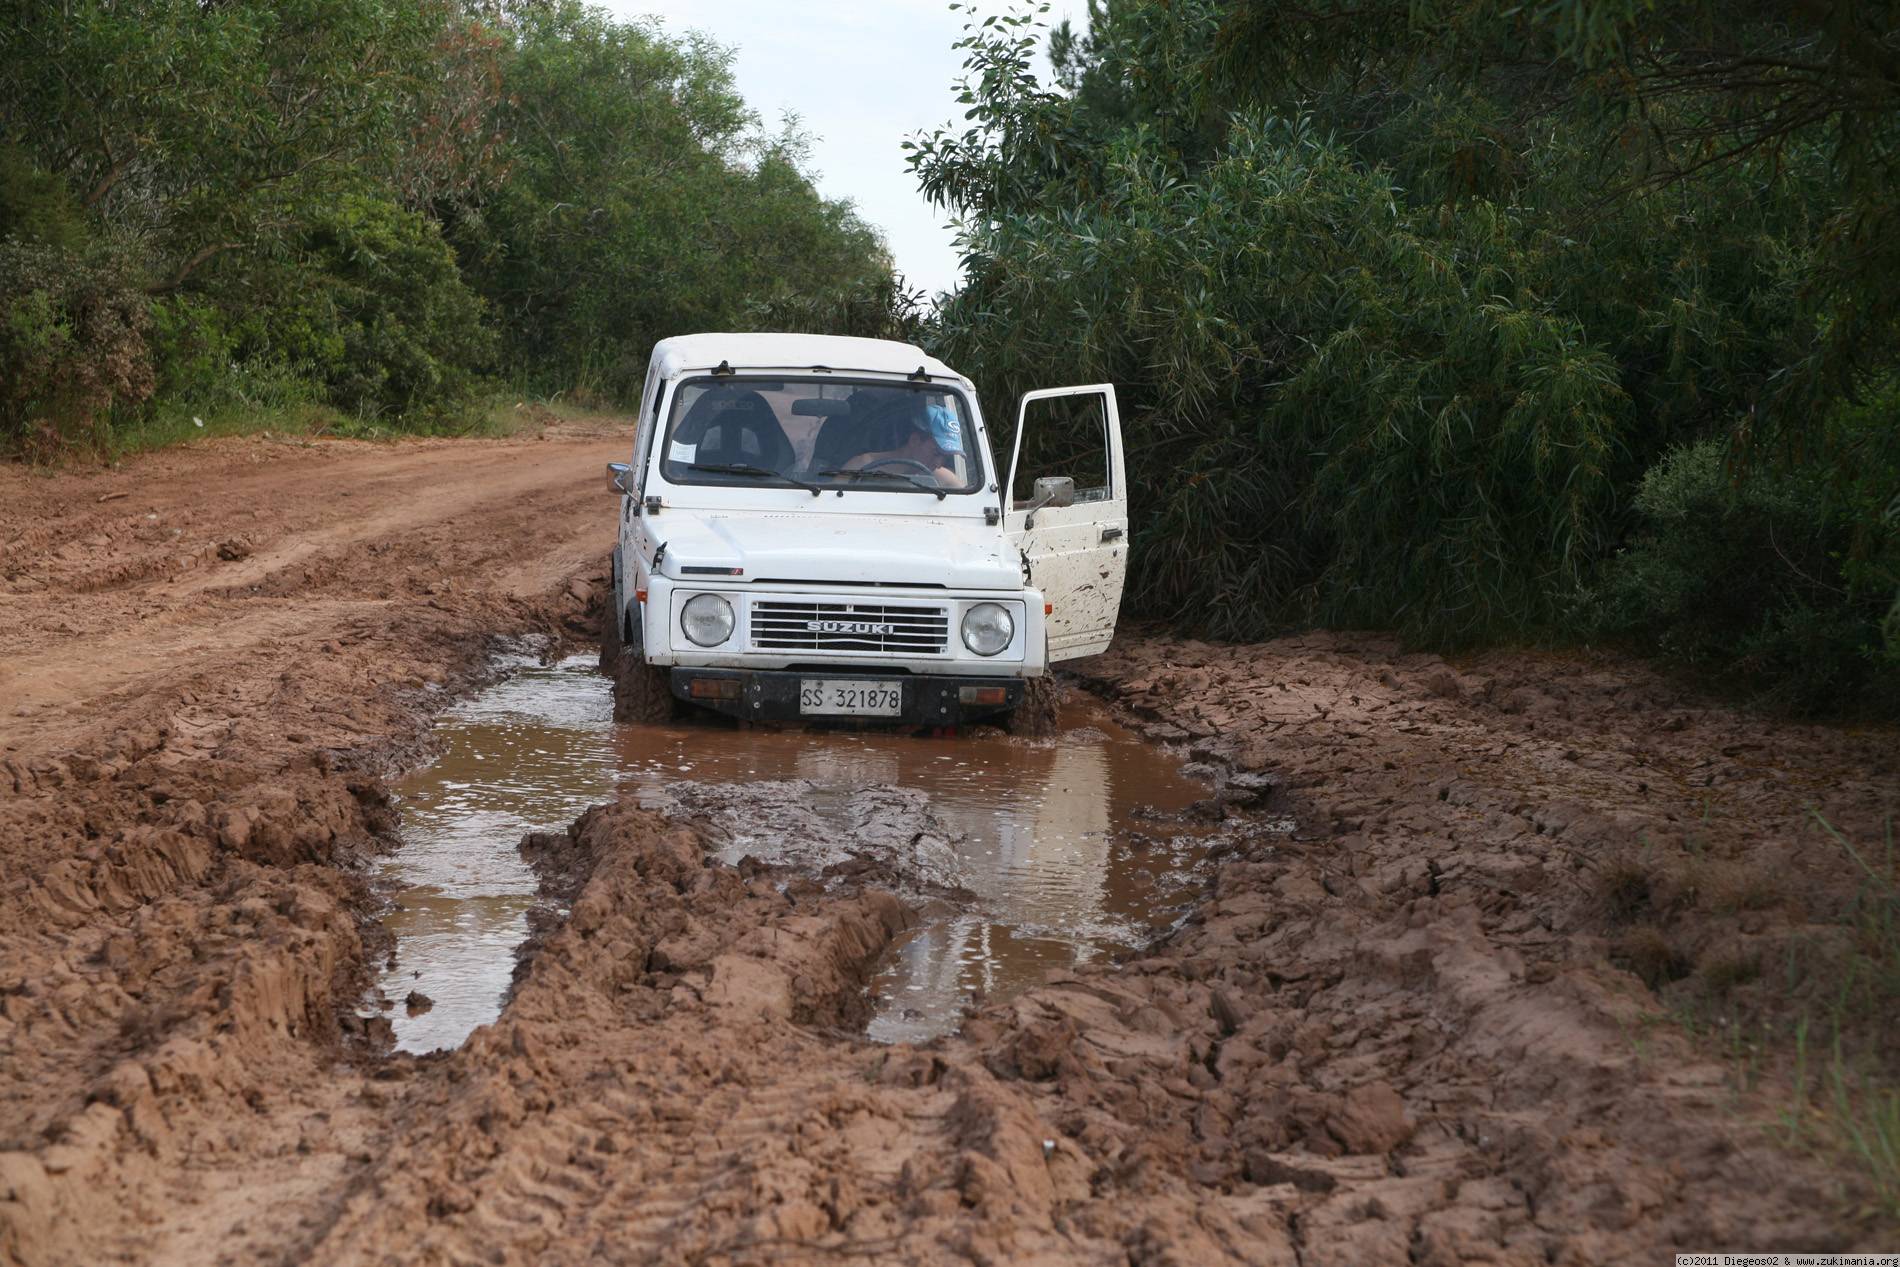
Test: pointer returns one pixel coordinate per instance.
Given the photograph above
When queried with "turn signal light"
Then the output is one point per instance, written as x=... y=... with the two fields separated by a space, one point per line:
x=983 y=694
x=1048 y=609
x=640 y=596
x=715 y=688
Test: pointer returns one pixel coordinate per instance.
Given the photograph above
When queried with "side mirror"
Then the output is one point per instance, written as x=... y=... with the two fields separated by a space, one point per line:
x=617 y=476
x=1054 y=491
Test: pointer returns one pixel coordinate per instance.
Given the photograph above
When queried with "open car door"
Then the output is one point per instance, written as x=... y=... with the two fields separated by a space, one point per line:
x=1066 y=510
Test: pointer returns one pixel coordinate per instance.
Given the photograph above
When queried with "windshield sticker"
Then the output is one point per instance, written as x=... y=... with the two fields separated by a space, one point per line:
x=678 y=452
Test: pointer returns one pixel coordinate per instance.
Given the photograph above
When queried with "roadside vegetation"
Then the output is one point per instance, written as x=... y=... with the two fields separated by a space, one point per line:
x=368 y=216
x=1797 y=980
x=1479 y=322
x=1559 y=324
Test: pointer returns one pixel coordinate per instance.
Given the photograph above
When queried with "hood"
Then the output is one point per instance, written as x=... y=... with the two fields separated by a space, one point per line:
x=891 y=550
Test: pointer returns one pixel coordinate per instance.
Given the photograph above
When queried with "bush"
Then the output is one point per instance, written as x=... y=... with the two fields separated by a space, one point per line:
x=378 y=312
x=1326 y=422
x=72 y=346
x=192 y=350
x=205 y=381
x=1769 y=580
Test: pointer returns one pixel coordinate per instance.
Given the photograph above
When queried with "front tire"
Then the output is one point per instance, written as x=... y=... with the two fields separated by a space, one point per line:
x=1040 y=712
x=643 y=695
x=611 y=644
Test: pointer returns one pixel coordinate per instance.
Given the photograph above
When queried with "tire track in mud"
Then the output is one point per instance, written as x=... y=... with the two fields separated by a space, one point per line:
x=1448 y=938
x=669 y=1083
x=596 y=1109
x=183 y=916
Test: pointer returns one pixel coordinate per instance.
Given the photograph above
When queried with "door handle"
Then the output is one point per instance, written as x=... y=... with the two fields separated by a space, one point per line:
x=1111 y=534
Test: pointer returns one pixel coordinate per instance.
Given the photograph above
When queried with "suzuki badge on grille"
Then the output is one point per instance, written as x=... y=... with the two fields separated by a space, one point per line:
x=870 y=628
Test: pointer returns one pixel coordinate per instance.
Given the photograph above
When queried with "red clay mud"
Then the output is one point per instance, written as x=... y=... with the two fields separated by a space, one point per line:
x=190 y=745
x=1409 y=1031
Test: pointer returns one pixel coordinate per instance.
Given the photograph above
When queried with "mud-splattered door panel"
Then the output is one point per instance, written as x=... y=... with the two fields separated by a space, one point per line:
x=1073 y=533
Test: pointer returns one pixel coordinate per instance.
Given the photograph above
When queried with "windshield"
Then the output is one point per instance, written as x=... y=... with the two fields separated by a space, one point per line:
x=820 y=432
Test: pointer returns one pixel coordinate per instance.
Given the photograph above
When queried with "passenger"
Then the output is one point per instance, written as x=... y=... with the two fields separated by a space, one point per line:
x=933 y=440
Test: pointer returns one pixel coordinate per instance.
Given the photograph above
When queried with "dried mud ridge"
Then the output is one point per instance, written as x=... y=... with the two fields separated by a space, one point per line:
x=1395 y=1037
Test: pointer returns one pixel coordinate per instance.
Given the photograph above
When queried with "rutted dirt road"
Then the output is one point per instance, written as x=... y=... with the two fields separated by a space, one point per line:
x=1412 y=1030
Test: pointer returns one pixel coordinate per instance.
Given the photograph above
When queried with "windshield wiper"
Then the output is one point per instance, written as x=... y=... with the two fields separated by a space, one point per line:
x=757 y=472
x=931 y=487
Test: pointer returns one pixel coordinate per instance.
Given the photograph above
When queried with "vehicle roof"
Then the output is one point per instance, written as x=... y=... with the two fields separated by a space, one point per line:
x=685 y=352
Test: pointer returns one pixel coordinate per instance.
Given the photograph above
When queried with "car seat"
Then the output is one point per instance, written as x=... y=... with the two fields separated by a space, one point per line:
x=880 y=420
x=731 y=426
x=840 y=439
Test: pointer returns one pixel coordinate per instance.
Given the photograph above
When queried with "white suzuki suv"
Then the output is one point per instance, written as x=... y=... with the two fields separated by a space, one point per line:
x=816 y=528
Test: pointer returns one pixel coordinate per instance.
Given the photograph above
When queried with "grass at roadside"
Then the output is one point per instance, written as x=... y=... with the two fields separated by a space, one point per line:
x=1854 y=1105
x=1854 y=1112
x=497 y=416
x=1809 y=1000
x=168 y=428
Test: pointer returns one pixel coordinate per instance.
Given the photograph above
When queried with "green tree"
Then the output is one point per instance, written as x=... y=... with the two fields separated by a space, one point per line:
x=204 y=131
x=1397 y=340
x=1685 y=89
x=270 y=187
x=643 y=200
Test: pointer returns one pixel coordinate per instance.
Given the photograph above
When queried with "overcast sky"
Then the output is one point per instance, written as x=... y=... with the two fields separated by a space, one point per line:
x=862 y=75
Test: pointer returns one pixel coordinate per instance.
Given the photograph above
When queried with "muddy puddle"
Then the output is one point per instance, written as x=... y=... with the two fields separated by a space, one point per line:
x=1023 y=856
x=529 y=753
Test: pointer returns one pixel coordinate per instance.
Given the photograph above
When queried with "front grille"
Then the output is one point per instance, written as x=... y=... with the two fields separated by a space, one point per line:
x=884 y=628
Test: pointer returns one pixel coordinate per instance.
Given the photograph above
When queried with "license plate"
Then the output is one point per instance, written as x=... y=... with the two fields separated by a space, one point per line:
x=842 y=697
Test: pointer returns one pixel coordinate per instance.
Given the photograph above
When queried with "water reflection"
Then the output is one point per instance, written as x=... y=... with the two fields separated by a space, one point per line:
x=1026 y=858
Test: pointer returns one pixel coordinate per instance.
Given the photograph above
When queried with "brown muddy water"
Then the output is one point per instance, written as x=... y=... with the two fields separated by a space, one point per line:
x=1022 y=856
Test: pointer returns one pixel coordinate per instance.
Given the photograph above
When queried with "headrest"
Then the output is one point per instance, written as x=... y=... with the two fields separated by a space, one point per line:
x=721 y=404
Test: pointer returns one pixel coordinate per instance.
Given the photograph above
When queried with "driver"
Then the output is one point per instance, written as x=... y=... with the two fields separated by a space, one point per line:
x=932 y=440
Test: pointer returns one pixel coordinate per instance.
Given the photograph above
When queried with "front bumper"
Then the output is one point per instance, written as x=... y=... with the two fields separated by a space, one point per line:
x=772 y=695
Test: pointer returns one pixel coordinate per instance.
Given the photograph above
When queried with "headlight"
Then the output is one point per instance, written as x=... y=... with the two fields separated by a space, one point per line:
x=707 y=619
x=987 y=629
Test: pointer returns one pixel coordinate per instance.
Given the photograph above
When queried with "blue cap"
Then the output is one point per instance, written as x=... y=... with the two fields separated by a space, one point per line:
x=944 y=427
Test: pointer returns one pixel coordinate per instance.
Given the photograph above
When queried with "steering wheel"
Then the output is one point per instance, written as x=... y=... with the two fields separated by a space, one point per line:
x=928 y=472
